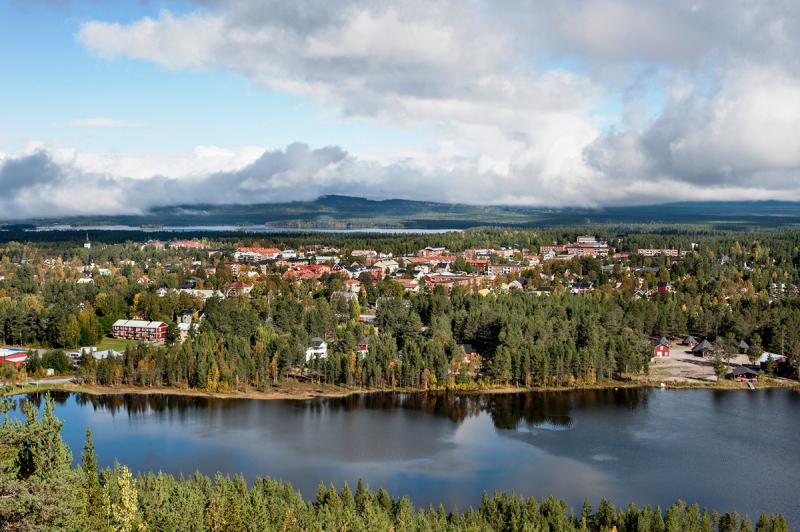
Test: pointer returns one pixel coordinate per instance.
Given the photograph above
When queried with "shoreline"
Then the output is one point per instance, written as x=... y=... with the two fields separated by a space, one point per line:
x=305 y=391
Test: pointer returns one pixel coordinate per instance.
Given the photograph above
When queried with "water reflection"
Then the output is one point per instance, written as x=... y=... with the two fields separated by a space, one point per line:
x=646 y=446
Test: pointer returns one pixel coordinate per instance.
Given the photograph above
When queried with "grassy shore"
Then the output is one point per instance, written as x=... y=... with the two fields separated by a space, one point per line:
x=301 y=390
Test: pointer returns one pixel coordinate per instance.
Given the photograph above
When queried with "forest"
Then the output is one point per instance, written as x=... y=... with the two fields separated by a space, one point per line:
x=41 y=489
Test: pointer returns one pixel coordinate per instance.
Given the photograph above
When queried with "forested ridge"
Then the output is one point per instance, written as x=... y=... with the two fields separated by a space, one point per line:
x=40 y=489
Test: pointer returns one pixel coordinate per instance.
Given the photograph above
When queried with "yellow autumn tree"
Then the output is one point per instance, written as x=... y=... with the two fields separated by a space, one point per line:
x=125 y=513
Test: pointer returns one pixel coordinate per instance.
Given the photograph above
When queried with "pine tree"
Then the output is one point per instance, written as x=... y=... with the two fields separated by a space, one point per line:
x=95 y=503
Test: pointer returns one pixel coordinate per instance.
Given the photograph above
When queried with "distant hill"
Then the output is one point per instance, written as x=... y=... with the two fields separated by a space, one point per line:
x=335 y=211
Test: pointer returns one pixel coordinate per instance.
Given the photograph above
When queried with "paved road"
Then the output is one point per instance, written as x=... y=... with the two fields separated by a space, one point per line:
x=53 y=380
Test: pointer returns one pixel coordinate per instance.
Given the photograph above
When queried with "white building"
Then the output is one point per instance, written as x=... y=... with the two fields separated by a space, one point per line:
x=319 y=349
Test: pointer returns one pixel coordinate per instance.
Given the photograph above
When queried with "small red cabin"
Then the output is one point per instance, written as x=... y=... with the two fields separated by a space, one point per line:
x=660 y=351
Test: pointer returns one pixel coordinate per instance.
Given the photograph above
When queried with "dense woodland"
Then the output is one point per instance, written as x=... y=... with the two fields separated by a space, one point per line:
x=725 y=292
x=40 y=489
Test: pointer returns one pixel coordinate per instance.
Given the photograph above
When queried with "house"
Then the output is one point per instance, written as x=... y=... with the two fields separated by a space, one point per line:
x=702 y=349
x=10 y=355
x=664 y=287
x=743 y=374
x=388 y=265
x=346 y=295
x=743 y=347
x=202 y=294
x=318 y=349
x=409 y=285
x=542 y=291
x=185 y=328
x=661 y=350
x=689 y=341
x=352 y=285
x=238 y=288
x=581 y=288
x=513 y=285
x=184 y=316
x=153 y=331
x=363 y=346
x=766 y=358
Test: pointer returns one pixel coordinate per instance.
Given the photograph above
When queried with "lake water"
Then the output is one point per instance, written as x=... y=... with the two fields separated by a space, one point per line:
x=729 y=450
x=245 y=229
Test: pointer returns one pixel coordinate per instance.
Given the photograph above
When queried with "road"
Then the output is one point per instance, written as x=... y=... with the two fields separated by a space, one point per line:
x=52 y=380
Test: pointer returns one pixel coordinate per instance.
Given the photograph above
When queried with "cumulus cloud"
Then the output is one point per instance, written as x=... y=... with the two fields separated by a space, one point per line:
x=745 y=134
x=513 y=91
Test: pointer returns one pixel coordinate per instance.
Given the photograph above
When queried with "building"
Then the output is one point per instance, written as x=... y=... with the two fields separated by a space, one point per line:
x=555 y=250
x=350 y=297
x=588 y=246
x=363 y=346
x=10 y=355
x=431 y=251
x=744 y=374
x=256 y=254
x=743 y=347
x=504 y=269
x=387 y=265
x=153 y=331
x=645 y=252
x=187 y=244
x=661 y=350
x=318 y=349
x=238 y=288
x=409 y=285
x=703 y=349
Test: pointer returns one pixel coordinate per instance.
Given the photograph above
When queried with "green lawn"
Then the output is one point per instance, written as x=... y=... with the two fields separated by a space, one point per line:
x=117 y=344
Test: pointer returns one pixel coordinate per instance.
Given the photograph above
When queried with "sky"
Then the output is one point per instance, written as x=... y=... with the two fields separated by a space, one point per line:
x=116 y=107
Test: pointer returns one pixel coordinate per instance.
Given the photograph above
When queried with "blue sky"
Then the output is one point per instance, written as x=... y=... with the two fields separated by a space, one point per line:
x=56 y=80
x=580 y=102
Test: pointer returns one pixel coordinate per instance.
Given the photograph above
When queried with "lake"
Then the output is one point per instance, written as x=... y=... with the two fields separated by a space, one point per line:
x=729 y=450
x=242 y=229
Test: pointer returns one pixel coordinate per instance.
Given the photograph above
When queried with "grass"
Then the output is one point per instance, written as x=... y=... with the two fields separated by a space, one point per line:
x=117 y=344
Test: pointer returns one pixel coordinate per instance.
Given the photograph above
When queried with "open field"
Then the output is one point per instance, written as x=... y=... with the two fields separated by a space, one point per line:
x=682 y=367
x=117 y=344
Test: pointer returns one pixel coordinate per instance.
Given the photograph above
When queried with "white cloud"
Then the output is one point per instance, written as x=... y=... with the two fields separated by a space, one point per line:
x=102 y=121
x=514 y=124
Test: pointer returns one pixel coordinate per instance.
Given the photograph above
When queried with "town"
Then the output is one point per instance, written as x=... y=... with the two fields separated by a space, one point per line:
x=309 y=306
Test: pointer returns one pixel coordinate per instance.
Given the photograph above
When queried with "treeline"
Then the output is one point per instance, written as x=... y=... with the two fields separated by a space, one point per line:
x=525 y=342
x=41 y=490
